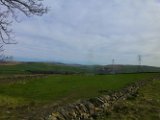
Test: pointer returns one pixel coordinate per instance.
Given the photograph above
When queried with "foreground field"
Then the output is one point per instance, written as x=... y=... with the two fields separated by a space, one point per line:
x=32 y=98
x=146 y=106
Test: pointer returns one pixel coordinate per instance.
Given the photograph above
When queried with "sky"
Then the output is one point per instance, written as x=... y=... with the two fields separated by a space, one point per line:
x=90 y=32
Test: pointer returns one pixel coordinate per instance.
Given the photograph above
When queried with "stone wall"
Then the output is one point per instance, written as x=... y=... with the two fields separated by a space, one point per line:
x=91 y=108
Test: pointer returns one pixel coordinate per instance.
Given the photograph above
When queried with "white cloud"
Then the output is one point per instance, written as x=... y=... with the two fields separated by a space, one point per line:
x=92 y=31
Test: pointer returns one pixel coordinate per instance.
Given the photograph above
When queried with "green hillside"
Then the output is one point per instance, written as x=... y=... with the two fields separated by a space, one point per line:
x=35 y=66
x=41 y=67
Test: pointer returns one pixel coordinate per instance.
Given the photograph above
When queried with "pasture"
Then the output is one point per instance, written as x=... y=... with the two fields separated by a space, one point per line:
x=37 y=95
x=146 y=106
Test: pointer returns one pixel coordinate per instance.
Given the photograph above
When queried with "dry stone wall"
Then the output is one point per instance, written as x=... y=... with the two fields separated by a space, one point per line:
x=91 y=108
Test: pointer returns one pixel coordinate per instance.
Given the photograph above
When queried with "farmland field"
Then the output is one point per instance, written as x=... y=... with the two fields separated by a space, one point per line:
x=146 y=106
x=34 y=97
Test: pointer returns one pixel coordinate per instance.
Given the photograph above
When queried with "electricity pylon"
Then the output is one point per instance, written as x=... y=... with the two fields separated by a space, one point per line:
x=139 y=63
x=113 y=62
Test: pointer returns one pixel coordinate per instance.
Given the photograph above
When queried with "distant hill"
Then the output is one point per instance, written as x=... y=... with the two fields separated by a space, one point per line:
x=126 y=69
x=61 y=68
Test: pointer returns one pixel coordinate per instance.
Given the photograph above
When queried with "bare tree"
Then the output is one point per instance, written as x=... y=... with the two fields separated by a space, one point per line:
x=1 y=48
x=9 y=11
x=5 y=59
x=2 y=58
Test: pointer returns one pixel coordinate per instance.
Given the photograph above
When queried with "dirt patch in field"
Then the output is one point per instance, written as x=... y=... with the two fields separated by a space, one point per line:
x=19 y=78
x=10 y=63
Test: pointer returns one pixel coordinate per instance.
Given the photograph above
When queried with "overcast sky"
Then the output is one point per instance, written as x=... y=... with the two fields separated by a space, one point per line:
x=91 y=32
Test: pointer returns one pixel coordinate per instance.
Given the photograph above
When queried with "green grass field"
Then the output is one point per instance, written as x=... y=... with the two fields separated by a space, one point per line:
x=55 y=87
x=32 y=96
x=146 y=106
x=40 y=94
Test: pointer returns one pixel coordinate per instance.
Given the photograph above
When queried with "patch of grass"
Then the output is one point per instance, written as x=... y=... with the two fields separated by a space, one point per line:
x=34 y=97
x=144 y=107
x=56 y=87
x=10 y=101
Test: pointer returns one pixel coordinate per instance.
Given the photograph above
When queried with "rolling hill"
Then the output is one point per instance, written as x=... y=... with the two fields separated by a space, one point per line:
x=60 y=68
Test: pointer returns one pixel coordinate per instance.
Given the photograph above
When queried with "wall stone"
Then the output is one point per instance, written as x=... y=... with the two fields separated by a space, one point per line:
x=91 y=108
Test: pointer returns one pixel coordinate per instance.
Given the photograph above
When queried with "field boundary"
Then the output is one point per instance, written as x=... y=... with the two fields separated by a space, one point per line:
x=94 y=107
x=18 y=78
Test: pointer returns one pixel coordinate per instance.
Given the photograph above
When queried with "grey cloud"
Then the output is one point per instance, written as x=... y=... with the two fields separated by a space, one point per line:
x=91 y=32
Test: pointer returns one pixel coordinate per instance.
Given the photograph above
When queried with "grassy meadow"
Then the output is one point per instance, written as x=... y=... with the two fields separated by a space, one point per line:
x=146 y=106
x=40 y=94
x=56 y=87
x=24 y=95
